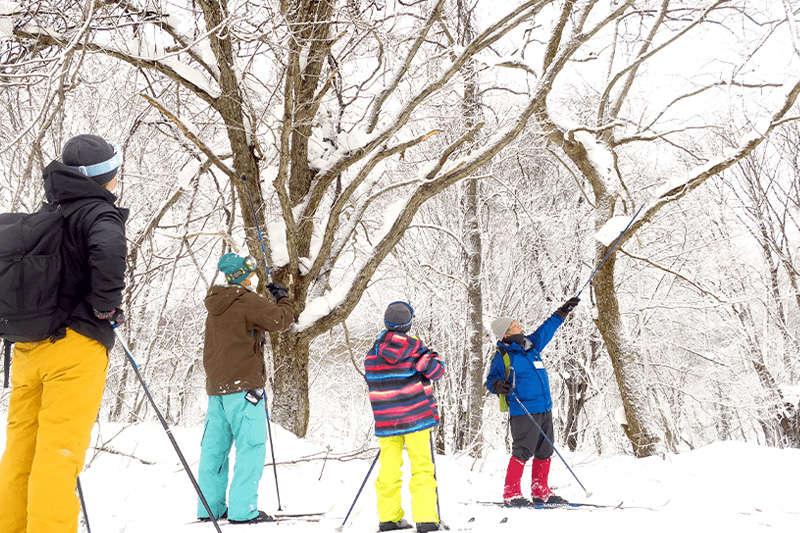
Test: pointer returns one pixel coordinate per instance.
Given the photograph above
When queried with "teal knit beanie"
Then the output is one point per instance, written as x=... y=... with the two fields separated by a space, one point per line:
x=236 y=268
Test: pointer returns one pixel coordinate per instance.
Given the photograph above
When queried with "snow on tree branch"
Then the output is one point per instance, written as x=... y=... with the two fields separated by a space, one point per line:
x=193 y=134
x=677 y=189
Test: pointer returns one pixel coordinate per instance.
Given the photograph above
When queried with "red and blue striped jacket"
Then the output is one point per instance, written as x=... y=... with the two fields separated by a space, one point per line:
x=399 y=371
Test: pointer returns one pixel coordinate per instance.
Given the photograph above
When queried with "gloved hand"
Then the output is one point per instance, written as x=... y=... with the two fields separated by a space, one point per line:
x=277 y=290
x=116 y=317
x=568 y=306
x=501 y=386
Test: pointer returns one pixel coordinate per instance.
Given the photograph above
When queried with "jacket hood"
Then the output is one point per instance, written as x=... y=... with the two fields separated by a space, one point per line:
x=63 y=184
x=391 y=344
x=220 y=298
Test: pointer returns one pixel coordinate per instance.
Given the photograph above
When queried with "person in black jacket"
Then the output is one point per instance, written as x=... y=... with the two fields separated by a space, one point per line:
x=57 y=384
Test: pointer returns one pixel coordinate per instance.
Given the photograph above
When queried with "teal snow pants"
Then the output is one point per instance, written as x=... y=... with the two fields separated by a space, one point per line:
x=232 y=419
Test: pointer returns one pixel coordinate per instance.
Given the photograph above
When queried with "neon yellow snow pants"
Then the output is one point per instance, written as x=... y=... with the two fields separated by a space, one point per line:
x=55 y=396
x=423 y=482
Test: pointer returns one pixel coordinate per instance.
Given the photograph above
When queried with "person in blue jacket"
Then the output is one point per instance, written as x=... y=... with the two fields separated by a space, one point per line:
x=519 y=376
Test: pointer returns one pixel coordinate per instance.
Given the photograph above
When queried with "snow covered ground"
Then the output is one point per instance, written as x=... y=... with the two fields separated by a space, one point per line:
x=134 y=483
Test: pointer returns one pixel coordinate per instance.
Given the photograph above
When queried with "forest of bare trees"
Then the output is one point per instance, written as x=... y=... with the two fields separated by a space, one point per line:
x=462 y=155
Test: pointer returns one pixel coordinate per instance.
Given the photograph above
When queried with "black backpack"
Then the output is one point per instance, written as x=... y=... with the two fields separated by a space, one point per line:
x=30 y=274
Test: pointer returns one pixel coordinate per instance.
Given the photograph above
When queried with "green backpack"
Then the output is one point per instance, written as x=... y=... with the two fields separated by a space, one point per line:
x=504 y=397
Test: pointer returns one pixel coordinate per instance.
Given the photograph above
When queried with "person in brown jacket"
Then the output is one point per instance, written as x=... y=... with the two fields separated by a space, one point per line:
x=236 y=374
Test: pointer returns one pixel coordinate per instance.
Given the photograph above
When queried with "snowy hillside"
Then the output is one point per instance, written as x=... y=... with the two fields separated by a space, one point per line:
x=134 y=483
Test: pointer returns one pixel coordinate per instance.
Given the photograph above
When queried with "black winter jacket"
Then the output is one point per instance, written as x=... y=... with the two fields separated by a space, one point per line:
x=94 y=250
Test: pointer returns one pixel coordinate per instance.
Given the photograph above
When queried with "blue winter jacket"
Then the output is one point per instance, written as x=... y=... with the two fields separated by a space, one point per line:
x=528 y=376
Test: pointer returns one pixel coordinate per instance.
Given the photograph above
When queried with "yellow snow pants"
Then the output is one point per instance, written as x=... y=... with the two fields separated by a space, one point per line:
x=423 y=481
x=55 y=396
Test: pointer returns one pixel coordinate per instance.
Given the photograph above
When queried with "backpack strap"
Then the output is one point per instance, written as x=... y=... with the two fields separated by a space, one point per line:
x=507 y=362
x=6 y=362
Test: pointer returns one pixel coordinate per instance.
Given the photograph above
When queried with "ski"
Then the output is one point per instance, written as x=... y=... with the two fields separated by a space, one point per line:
x=307 y=514
x=279 y=516
x=468 y=526
x=570 y=505
x=574 y=505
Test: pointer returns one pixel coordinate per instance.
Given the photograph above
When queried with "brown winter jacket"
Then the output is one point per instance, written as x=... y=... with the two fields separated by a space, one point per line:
x=237 y=319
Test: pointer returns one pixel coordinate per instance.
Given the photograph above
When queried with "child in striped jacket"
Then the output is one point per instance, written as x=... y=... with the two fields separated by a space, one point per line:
x=400 y=370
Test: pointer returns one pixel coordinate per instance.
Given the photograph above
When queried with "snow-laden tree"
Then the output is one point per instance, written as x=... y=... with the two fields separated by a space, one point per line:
x=322 y=101
x=311 y=108
x=622 y=106
x=764 y=198
x=630 y=89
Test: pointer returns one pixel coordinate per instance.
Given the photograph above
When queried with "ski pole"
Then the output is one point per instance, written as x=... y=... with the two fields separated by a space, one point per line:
x=166 y=427
x=609 y=251
x=258 y=228
x=269 y=277
x=83 y=506
x=359 y=491
x=272 y=450
x=438 y=512
x=541 y=431
x=6 y=362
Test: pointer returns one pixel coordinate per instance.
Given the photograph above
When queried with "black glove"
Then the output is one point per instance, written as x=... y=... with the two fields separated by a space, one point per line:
x=116 y=317
x=568 y=306
x=501 y=386
x=277 y=290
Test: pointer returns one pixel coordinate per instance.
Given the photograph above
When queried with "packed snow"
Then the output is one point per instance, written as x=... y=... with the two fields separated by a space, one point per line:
x=612 y=229
x=134 y=482
x=390 y=215
x=322 y=306
x=187 y=173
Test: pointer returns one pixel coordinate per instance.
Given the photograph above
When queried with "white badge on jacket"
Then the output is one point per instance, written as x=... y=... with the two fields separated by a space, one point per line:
x=538 y=365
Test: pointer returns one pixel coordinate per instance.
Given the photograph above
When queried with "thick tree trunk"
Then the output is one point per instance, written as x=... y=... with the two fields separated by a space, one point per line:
x=290 y=407
x=627 y=364
x=309 y=23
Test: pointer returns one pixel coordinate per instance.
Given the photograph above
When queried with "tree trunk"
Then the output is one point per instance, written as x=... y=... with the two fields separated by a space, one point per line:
x=475 y=307
x=576 y=391
x=626 y=361
x=290 y=406
x=774 y=405
x=474 y=255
